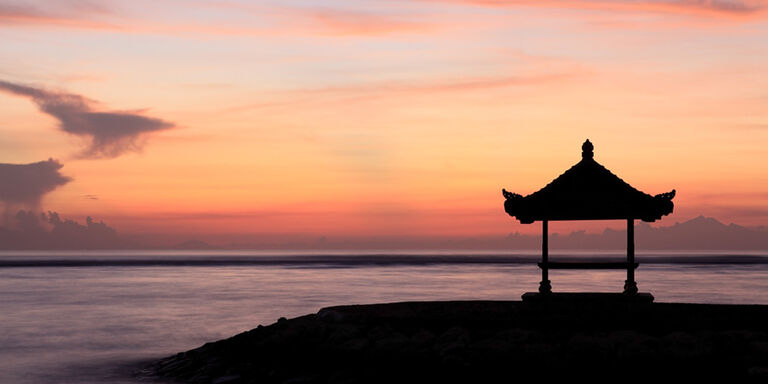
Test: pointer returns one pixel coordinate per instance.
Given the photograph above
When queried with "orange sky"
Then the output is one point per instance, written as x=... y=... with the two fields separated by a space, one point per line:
x=385 y=117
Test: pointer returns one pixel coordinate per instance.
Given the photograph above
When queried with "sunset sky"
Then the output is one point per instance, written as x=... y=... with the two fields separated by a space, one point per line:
x=378 y=117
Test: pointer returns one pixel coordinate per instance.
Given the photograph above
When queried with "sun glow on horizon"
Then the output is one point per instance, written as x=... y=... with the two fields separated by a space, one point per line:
x=378 y=118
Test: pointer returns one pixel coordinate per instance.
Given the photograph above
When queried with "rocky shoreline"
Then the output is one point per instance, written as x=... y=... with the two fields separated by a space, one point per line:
x=489 y=341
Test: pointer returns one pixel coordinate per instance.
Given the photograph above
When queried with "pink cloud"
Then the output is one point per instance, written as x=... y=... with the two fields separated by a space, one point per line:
x=414 y=88
x=80 y=16
x=339 y=22
x=282 y=21
x=704 y=8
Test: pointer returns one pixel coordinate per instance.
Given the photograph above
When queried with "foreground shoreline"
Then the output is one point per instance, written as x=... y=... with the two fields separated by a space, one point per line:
x=488 y=341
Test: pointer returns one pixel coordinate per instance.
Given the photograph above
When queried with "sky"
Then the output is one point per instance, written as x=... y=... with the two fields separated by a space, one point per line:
x=375 y=117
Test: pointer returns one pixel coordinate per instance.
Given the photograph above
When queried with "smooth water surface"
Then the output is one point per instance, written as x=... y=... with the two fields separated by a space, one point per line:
x=94 y=324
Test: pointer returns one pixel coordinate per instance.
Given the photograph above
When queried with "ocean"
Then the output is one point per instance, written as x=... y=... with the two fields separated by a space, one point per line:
x=95 y=316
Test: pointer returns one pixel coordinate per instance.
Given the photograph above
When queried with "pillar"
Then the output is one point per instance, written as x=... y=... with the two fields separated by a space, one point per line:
x=630 y=286
x=544 y=286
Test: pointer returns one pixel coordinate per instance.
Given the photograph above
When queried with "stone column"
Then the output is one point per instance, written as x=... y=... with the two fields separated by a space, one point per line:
x=544 y=286
x=630 y=286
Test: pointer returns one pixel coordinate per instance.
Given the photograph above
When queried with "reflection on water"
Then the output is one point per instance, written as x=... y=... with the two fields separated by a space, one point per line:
x=84 y=325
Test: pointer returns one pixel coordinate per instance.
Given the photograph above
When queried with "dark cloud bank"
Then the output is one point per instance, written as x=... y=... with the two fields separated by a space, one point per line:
x=109 y=134
x=25 y=184
x=701 y=233
x=49 y=231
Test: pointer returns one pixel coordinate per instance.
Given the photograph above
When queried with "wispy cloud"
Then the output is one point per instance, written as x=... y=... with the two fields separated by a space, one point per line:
x=340 y=22
x=239 y=19
x=232 y=20
x=445 y=86
x=110 y=134
x=709 y=8
x=65 y=14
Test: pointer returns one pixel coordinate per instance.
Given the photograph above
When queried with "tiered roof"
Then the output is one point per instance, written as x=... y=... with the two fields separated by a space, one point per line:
x=588 y=191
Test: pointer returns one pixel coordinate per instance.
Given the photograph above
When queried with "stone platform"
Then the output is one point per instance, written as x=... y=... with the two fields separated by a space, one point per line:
x=591 y=298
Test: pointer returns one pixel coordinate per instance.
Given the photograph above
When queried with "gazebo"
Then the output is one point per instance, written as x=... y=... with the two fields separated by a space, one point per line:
x=588 y=191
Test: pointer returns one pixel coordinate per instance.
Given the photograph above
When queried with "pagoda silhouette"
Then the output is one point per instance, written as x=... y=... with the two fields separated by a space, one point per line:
x=588 y=191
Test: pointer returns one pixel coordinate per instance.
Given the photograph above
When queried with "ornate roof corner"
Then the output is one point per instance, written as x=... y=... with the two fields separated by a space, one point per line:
x=666 y=195
x=509 y=195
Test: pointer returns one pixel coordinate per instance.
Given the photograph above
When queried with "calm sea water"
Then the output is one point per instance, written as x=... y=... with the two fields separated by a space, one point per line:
x=91 y=317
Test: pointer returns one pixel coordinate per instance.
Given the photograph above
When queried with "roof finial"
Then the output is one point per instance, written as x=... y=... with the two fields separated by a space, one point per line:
x=586 y=150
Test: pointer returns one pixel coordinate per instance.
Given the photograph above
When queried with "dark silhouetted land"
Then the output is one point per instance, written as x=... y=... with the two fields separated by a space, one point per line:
x=489 y=342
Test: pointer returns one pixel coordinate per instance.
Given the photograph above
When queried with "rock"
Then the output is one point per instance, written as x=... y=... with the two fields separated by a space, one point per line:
x=392 y=342
x=492 y=346
x=514 y=335
x=464 y=342
x=342 y=333
x=356 y=344
x=758 y=372
x=454 y=335
x=423 y=338
x=329 y=314
x=226 y=379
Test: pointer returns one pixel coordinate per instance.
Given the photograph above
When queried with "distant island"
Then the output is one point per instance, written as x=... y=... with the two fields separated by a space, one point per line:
x=48 y=231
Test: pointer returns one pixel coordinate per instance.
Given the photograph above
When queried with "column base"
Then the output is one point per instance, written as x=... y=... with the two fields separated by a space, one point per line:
x=630 y=287
x=545 y=287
